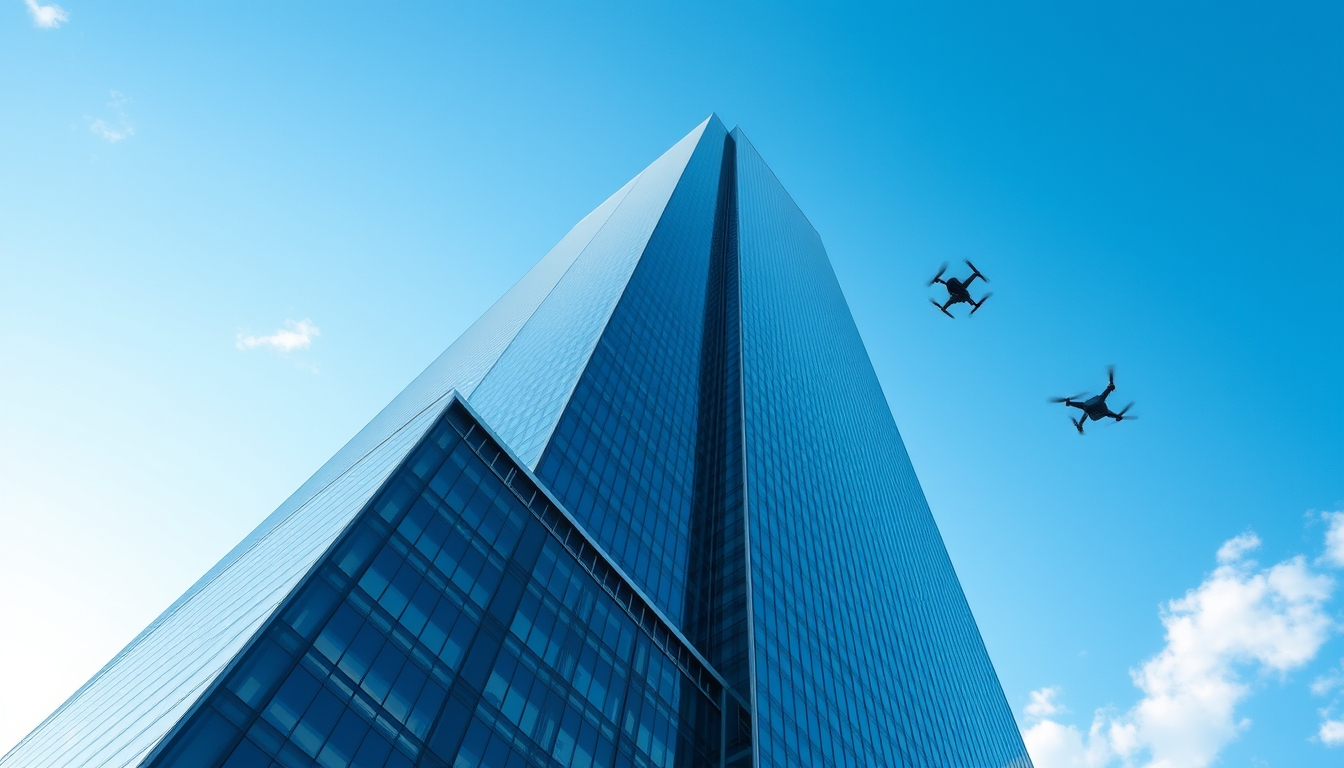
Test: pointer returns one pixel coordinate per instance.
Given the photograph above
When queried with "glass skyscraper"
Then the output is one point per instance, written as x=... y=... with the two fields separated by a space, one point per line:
x=650 y=510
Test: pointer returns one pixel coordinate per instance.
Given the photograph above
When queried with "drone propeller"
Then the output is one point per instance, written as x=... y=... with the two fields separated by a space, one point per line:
x=976 y=271
x=941 y=270
x=942 y=309
x=1110 y=374
x=1078 y=396
x=1121 y=415
x=977 y=307
x=1078 y=424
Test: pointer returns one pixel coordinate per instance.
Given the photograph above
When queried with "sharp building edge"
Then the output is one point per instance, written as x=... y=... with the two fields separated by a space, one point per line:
x=650 y=510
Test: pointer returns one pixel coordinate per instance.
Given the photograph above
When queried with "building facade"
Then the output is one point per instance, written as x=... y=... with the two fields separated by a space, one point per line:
x=650 y=510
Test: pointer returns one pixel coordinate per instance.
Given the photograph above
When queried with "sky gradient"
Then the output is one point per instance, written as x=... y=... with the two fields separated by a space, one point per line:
x=1160 y=188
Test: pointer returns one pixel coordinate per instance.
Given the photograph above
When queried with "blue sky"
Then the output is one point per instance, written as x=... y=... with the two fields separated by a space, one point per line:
x=1157 y=186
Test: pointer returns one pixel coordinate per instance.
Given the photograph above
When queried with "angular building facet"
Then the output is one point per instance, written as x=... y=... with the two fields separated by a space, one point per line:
x=650 y=510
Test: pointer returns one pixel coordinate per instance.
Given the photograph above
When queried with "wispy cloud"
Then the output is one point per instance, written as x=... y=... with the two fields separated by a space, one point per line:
x=1328 y=683
x=1043 y=703
x=1334 y=539
x=1242 y=617
x=46 y=16
x=119 y=127
x=295 y=335
x=1331 y=732
x=1237 y=547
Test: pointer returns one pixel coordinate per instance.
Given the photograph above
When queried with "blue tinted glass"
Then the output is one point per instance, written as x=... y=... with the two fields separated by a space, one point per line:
x=564 y=657
x=623 y=455
x=124 y=710
x=725 y=521
x=895 y=673
x=523 y=395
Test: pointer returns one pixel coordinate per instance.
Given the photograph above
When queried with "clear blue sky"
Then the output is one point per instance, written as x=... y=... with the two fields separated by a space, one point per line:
x=1155 y=185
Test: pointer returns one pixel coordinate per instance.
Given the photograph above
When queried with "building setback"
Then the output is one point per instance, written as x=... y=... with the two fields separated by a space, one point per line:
x=650 y=510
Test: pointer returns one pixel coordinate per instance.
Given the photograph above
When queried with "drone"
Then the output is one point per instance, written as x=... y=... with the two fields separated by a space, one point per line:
x=957 y=292
x=1094 y=408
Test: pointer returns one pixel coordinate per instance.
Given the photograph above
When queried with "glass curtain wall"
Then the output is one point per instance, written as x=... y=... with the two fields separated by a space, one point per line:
x=463 y=620
x=723 y=559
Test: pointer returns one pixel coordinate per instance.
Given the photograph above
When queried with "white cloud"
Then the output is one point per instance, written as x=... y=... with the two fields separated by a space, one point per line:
x=1053 y=745
x=1043 y=703
x=1332 y=732
x=1334 y=539
x=117 y=128
x=1235 y=549
x=295 y=335
x=46 y=16
x=1241 y=617
x=1327 y=683
x=113 y=133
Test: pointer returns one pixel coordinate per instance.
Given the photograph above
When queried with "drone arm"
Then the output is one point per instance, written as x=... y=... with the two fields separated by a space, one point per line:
x=975 y=273
x=980 y=303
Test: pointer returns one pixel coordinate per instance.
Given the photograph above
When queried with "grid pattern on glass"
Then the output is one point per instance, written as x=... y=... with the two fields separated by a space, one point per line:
x=449 y=623
x=117 y=716
x=124 y=710
x=460 y=367
x=716 y=617
x=622 y=457
x=523 y=395
x=477 y=621
x=866 y=652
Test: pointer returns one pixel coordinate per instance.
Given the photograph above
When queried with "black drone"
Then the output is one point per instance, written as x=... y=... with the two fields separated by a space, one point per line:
x=1094 y=408
x=957 y=292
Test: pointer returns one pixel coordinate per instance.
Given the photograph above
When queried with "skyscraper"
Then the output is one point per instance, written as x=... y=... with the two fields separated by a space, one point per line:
x=650 y=510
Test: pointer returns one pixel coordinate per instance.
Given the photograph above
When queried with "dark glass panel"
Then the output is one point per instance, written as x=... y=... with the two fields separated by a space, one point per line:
x=204 y=744
x=291 y=700
x=260 y=673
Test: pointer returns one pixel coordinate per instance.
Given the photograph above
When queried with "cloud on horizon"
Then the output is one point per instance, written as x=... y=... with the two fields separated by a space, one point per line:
x=46 y=16
x=1242 y=617
x=295 y=335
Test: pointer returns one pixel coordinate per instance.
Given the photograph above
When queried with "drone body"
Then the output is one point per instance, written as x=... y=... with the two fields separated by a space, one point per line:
x=1095 y=407
x=958 y=291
